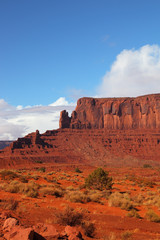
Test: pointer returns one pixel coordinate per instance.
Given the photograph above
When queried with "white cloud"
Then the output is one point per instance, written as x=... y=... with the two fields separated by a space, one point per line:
x=134 y=73
x=61 y=102
x=18 y=121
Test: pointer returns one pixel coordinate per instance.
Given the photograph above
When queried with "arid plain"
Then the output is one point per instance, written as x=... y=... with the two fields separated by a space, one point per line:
x=43 y=176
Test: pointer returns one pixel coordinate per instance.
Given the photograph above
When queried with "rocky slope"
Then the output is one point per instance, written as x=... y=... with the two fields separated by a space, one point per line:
x=100 y=131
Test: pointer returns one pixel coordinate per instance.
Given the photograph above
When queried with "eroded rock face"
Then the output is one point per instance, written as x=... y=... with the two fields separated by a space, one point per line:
x=114 y=113
x=99 y=131
x=64 y=121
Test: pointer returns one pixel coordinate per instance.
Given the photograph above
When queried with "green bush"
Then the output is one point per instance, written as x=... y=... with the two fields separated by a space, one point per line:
x=42 y=169
x=99 y=180
x=77 y=170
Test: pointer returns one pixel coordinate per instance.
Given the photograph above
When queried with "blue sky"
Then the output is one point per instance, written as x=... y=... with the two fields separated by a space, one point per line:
x=65 y=49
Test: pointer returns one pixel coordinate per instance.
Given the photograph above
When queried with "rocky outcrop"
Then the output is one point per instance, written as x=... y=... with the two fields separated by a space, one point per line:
x=64 y=121
x=13 y=231
x=114 y=113
x=99 y=131
x=32 y=139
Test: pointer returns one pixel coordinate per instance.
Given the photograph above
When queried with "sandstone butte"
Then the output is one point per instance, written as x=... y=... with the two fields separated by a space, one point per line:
x=99 y=131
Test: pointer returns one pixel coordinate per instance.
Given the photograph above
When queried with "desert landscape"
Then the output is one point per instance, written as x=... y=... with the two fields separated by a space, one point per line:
x=96 y=177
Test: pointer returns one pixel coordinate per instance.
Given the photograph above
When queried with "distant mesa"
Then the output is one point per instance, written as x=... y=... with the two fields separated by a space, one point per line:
x=4 y=144
x=100 y=131
x=114 y=113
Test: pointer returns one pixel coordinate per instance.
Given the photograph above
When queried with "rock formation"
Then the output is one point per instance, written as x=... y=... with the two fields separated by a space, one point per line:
x=114 y=113
x=99 y=131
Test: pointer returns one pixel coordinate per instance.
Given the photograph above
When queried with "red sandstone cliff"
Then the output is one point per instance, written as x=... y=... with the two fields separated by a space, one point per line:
x=100 y=131
x=114 y=113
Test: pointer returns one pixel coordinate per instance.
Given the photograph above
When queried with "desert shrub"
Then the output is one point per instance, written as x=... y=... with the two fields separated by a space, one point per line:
x=153 y=199
x=89 y=228
x=77 y=170
x=133 y=213
x=152 y=216
x=38 y=161
x=30 y=189
x=69 y=217
x=123 y=201
x=42 y=169
x=70 y=188
x=95 y=196
x=13 y=187
x=35 y=176
x=83 y=197
x=147 y=166
x=138 y=199
x=23 y=179
x=8 y=175
x=77 y=196
x=99 y=180
x=10 y=204
x=52 y=190
x=31 y=193
x=126 y=235
x=111 y=236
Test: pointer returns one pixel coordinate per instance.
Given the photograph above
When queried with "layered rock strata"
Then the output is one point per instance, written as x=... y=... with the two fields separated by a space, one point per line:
x=114 y=113
x=100 y=131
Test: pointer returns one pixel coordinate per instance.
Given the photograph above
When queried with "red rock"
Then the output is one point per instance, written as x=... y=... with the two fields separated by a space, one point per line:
x=46 y=230
x=114 y=113
x=19 y=233
x=10 y=223
x=64 y=121
x=5 y=215
x=73 y=233
x=99 y=131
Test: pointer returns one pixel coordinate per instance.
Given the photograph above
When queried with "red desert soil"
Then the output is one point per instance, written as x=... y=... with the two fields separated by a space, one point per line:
x=122 y=135
x=107 y=220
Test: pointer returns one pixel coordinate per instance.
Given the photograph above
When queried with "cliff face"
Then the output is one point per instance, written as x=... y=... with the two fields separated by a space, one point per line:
x=99 y=131
x=114 y=113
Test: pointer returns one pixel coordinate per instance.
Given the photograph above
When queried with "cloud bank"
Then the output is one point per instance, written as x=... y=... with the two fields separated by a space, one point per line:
x=18 y=121
x=134 y=73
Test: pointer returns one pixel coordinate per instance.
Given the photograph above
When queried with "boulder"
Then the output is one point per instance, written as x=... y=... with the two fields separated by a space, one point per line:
x=46 y=230
x=73 y=233
x=18 y=233
x=9 y=223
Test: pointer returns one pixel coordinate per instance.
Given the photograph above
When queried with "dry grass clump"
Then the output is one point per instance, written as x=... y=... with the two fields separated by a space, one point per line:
x=10 y=204
x=152 y=199
x=141 y=182
x=52 y=190
x=8 y=175
x=83 y=197
x=123 y=201
x=29 y=189
x=69 y=217
x=133 y=213
x=152 y=216
x=77 y=196
x=111 y=236
x=126 y=235
x=89 y=228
